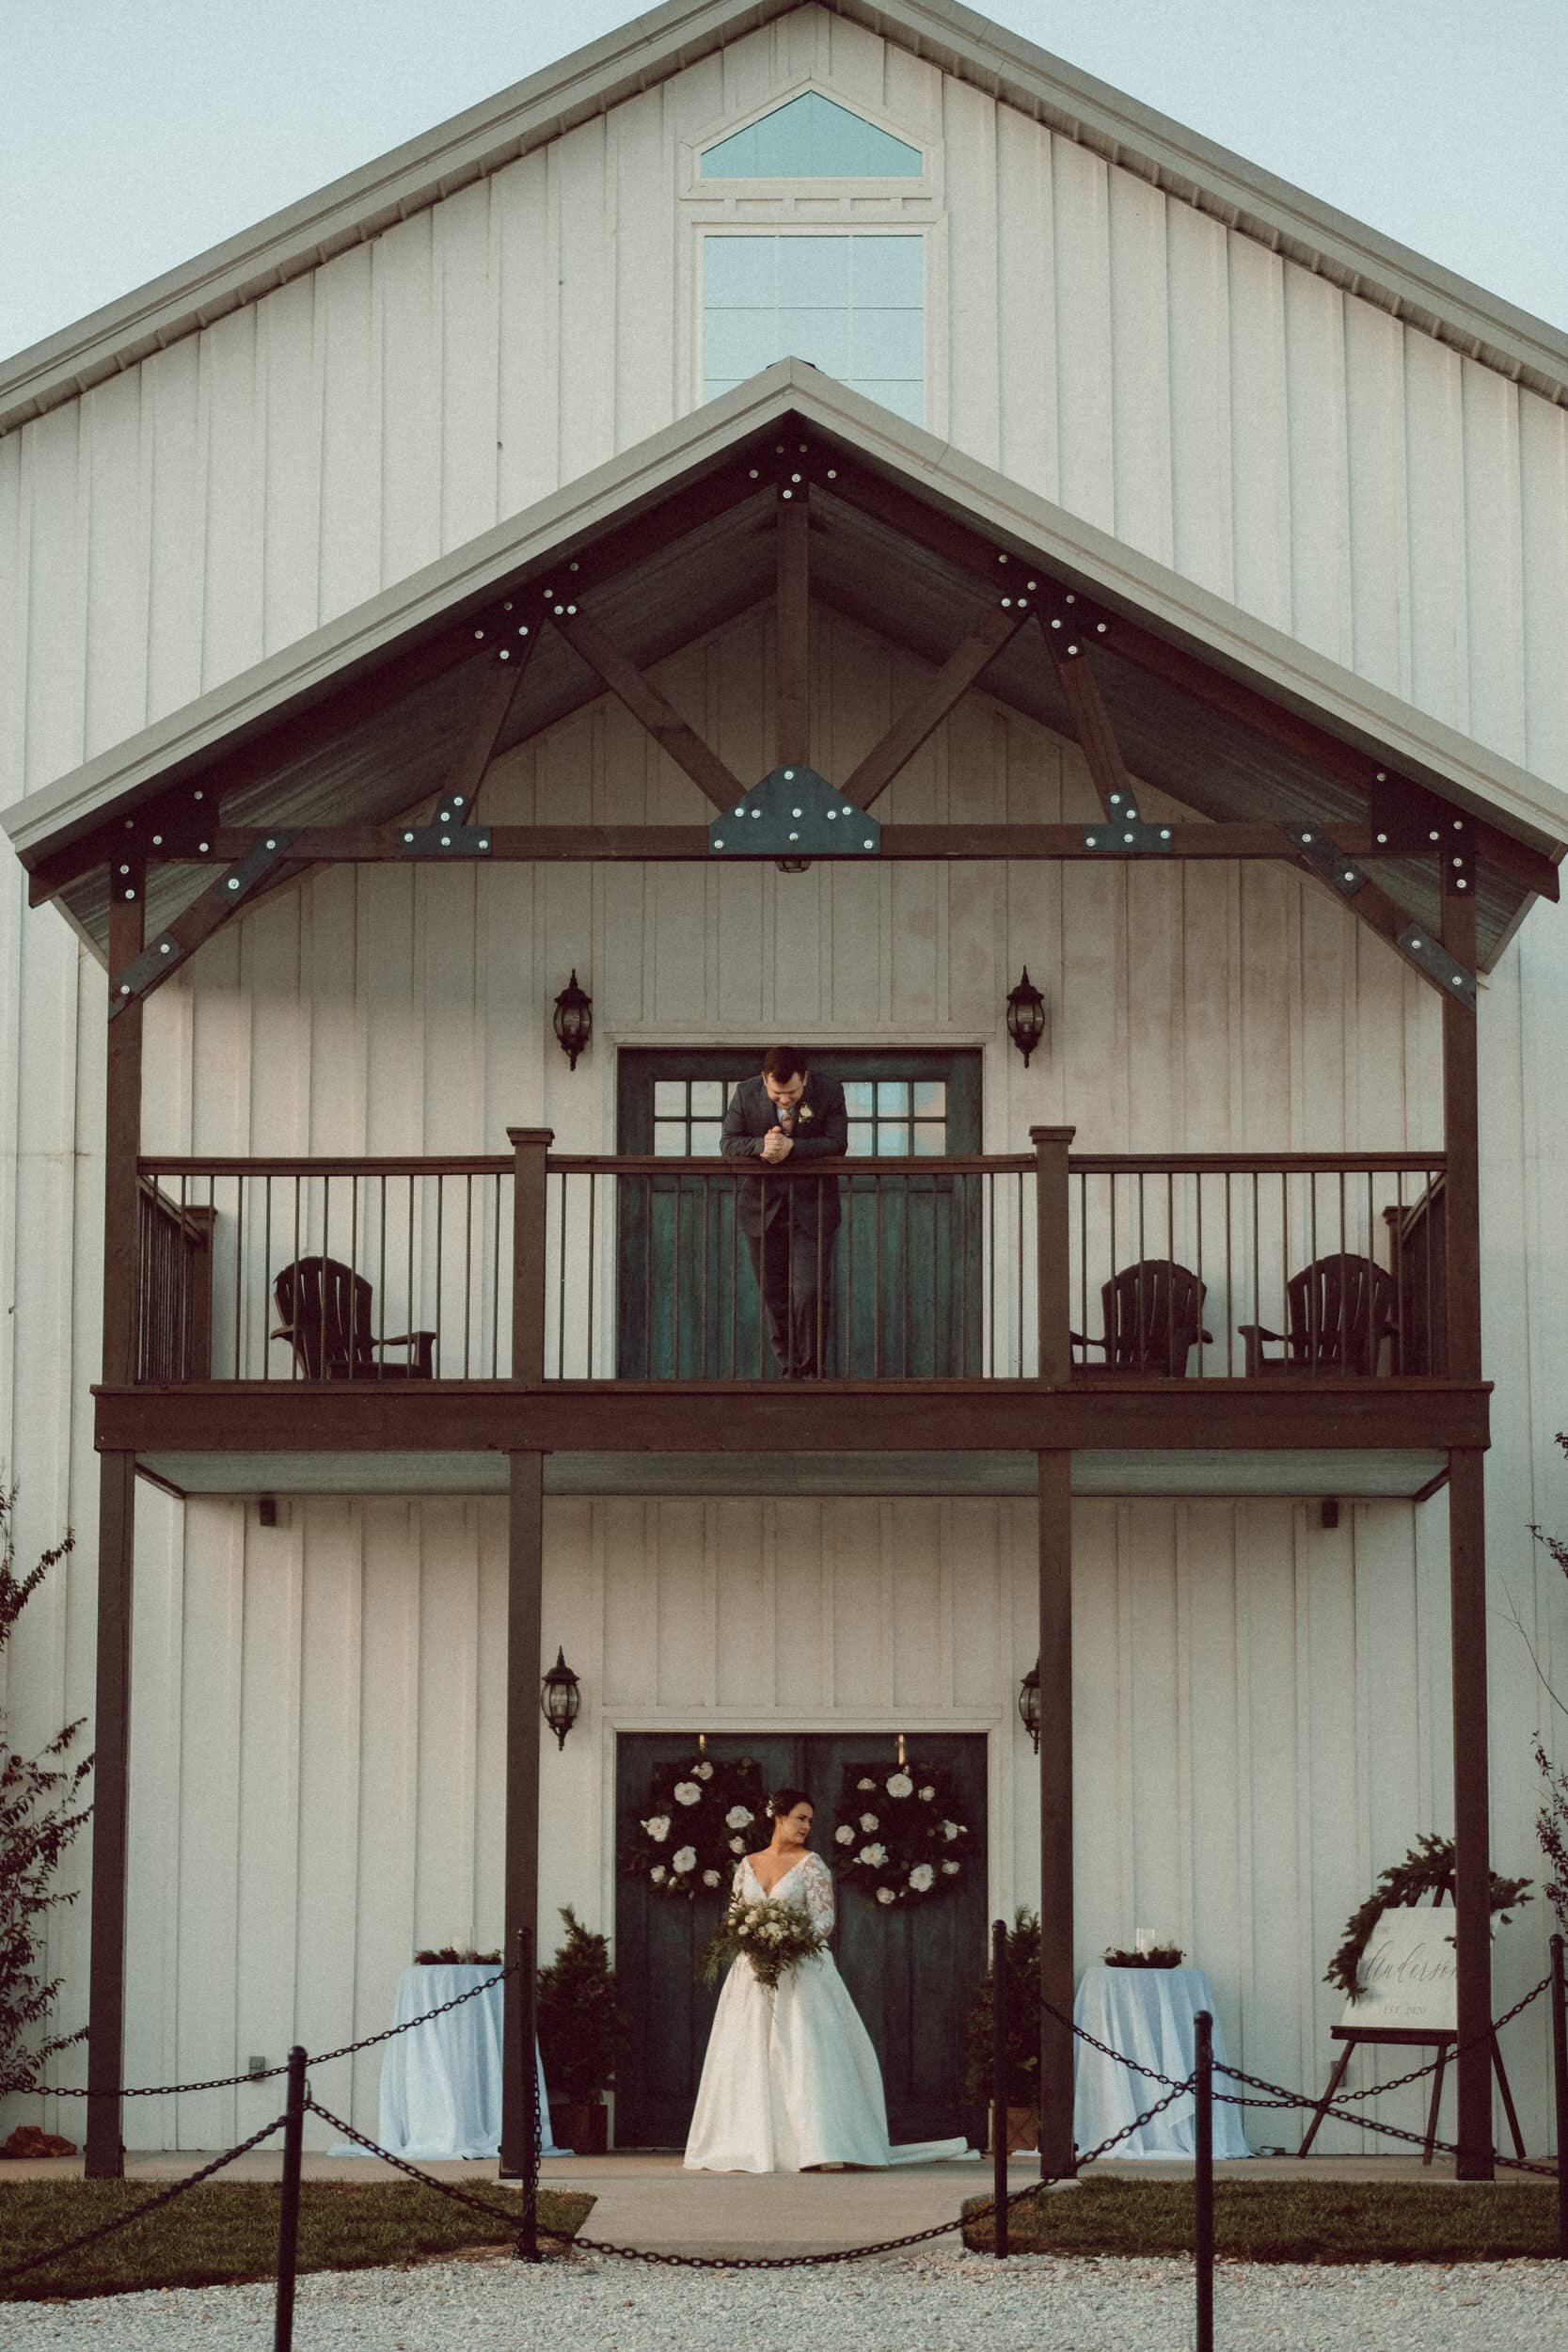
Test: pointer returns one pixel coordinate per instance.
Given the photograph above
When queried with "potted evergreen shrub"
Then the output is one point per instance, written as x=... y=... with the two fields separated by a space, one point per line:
x=1021 y=1978
x=582 y=2033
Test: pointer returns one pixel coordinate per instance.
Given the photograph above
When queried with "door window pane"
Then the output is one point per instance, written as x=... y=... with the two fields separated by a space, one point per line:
x=707 y=1097
x=853 y=306
x=670 y=1098
x=670 y=1138
x=931 y=1099
x=705 y=1139
x=893 y=1097
x=811 y=137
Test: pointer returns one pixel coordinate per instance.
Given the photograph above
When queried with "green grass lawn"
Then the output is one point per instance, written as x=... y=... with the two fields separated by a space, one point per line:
x=1297 y=2221
x=229 y=2230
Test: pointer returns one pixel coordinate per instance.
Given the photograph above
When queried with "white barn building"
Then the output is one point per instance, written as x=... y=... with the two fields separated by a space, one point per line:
x=1316 y=489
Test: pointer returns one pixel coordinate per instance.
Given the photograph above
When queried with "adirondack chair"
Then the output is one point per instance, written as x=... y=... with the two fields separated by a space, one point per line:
x=1153 y=1318
x=325 y=1314
x=1340 y=1311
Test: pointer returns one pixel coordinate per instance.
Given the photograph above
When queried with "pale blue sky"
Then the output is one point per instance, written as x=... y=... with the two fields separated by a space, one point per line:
x=135 y=133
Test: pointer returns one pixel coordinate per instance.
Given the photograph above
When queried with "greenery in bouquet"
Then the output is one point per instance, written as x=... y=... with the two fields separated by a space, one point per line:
x=899 y=1834
x=774 y=1936
x=582 y=2028
x=702 y=1815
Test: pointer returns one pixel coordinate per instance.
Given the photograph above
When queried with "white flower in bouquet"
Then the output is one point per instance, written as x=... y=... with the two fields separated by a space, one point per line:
x=900 y=1784
x=737 y=1816
x=866 y=1784
x=951 y=1830
x=927 y=1794
x=873 y=1855
x=737 y=1845
x=949 y=1869
x=710 y=1877
x=868 y=1822
x=884 y=1894
x=844 y=1835
x=922 y=1877
x=659 y=1874
x=683 y=1858
x=704 y=1771
x=688 y=1792
x=659 y=1828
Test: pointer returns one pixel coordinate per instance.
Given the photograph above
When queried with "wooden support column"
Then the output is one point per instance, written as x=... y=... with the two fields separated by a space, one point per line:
x=117 y=1522
x=529 y=1146
x=524 y=1637
x=1056 y=1765
x=1053 y=1258
x=1467 y=1565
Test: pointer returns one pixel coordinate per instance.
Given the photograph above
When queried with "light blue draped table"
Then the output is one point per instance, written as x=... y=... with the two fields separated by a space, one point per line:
x=1148 y=2014
x=442 y=2083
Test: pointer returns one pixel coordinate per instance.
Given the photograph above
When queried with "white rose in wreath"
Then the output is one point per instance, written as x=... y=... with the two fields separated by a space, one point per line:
x=927 y=1794
x=866 y=1784
x=710 y=1877
x=900 y=1784
x=844 y=1835
x=949 y=1869
x=868 y=1822
x=737 y=1816
x=737 y=1845
x=659 y=1828
x=659 y=1874
x=884 y=1894
x=951 y=1830
x=922 y=1877
x=704 y=1771
x=683 y=1858
x=688 y=1792
x=874 y=1856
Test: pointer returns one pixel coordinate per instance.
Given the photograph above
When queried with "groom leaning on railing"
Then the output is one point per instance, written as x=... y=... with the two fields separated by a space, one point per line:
x=789 y=1112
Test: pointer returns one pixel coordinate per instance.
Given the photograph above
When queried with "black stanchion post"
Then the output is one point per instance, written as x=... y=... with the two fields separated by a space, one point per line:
x=527 y=2236
x=998 y=2087
x=1560 y=2085
x=1204 y=2179
x=288 y=2218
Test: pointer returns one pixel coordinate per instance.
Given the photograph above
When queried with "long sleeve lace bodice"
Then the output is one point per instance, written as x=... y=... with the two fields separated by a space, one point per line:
x=810 y=1885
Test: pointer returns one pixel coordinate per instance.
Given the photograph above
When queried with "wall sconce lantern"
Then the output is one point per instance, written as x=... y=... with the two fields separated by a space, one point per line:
x=560 y=1698
x=1029 y=1703
x=574 y=1020
x=1025 y=1016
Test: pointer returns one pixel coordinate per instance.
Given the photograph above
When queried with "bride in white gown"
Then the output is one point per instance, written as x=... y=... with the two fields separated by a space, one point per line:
x=790 y=2080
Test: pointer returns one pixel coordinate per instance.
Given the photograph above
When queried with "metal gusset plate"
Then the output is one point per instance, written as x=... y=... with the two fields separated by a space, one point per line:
x=1451 y=977
x=232 y=889
x=1128 y=836
x=452 y=841
x=795 y=813
x=1344 y=873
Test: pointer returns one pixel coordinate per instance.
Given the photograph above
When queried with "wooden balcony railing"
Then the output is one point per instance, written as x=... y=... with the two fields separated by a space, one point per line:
x=573 y=1267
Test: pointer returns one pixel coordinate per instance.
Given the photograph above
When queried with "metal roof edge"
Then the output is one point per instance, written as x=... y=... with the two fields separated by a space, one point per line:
x=485 y=137
x=1352 y=706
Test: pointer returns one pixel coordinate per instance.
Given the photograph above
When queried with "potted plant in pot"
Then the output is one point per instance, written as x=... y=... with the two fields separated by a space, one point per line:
x=582 y=2032
x=1021 y=1978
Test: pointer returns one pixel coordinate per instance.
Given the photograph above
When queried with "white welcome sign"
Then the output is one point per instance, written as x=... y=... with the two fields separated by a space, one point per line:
x=1409 y=1973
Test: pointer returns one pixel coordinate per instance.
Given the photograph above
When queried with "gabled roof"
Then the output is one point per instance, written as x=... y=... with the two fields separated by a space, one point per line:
x=357 y=722
x=648 y=49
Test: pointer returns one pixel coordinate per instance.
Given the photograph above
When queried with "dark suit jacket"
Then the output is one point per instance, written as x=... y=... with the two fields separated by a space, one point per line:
x=751 y=1114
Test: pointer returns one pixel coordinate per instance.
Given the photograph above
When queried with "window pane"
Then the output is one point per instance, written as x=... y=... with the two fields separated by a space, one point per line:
x=707 y=1096
x=930 y=1138
x=893 y=1142
x=814 y=271
x=737 y=343
x=903 y=400
x=930 y=1098
x=890 y=272
x=860 y=1136
x=812 y=139
x=821 y=336
x=704 y=1138
x=887 y=343
x=857 y=1098
x=893 y=1098
x=670 y=1138
x=737 y=272
x=668 y=1098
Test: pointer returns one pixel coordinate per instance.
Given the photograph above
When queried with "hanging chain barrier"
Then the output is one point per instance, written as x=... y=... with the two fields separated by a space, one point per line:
x=139 y=2213
x=1283 y=2098
x=267 y=2073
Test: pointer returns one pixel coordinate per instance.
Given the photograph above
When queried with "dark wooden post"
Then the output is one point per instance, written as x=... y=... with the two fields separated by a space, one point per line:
x=524 y=1600
x=1053 y=1255
x=1056 y=1765
x=116 y=1528
x=530 y=1147
x=1467 y=1562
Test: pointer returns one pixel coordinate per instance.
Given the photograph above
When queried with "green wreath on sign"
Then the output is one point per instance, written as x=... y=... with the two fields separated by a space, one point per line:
x=1428 y=1870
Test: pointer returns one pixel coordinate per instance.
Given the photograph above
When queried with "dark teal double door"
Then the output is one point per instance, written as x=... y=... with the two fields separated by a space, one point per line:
x=912 y=1974
x=904 y=1279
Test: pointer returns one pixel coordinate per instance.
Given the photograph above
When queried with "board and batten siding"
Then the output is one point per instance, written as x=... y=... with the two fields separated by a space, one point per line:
x=317 y=1728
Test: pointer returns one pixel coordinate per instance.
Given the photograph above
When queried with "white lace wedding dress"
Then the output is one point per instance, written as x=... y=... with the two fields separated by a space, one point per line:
x=791 y=2079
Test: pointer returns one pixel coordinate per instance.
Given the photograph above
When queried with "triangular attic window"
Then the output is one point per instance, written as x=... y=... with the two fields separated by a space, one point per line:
x=812 y=139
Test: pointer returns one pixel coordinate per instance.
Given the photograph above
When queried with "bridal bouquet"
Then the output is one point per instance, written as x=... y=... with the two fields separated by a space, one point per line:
x=775 y=1938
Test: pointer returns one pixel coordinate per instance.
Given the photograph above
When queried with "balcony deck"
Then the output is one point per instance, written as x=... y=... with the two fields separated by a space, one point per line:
x=973 y=1313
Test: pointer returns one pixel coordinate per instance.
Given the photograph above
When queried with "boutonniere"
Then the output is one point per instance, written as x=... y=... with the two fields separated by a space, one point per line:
x=804 y=1111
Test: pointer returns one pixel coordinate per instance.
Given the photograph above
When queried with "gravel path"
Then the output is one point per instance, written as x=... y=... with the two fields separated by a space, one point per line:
x=936 y=2303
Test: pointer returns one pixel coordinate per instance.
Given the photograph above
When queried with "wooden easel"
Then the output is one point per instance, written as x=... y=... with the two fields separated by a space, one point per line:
x=1412 y=2037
